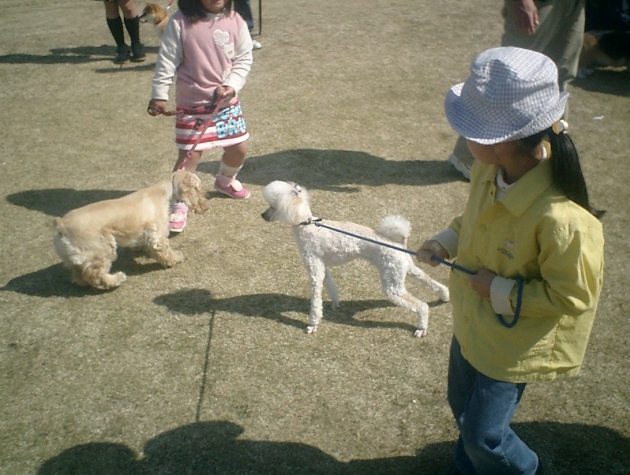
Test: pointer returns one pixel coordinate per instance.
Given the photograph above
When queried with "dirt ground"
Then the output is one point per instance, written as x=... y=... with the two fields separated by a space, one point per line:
x=205 y=368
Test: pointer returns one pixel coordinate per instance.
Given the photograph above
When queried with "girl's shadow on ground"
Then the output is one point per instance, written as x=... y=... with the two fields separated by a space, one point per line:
x=339 y=170
x=331 y=170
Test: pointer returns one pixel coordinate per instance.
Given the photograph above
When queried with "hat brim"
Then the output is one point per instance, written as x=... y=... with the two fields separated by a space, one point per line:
x=487 y=132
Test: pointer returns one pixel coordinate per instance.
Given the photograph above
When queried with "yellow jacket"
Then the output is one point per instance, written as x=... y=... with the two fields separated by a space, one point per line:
x=556 y=246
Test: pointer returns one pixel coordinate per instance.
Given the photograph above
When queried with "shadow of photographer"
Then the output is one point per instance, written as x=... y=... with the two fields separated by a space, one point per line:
x=218 y=447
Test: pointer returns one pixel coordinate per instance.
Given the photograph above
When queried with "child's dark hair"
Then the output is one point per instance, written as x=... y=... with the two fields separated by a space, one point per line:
x=194 y=11
x=565 y=167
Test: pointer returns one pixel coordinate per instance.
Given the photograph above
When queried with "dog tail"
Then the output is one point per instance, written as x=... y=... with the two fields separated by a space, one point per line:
x=395 y=228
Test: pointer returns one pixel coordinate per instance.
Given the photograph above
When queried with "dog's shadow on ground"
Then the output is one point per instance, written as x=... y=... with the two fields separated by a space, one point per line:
x=278 y=307
x=80 y=55
x=613 y=81
x=54 y=281
x=58 y=201
x=217 y=447
x=339 y=170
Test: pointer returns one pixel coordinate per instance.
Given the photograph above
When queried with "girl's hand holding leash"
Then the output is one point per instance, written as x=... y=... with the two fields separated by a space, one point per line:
x=429 y=249
x=223 y=95
x=481 y=282
x=156 y=107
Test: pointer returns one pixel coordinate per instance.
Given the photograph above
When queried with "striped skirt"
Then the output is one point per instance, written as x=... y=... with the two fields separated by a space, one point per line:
x=225 y=128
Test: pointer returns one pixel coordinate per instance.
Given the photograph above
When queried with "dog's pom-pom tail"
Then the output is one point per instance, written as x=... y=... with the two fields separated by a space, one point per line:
x=395 y=228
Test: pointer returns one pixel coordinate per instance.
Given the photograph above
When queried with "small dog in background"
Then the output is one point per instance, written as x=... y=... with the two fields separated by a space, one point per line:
x=604 y=48
x=157 y=15
x=321 y=248
x=88 y=237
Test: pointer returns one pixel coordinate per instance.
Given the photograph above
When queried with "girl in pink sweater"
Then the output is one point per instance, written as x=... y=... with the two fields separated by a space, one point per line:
x=208 y=48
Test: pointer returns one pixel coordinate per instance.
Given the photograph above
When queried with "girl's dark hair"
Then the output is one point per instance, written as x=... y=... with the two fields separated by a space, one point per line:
x=565 y=167
x=194 y=11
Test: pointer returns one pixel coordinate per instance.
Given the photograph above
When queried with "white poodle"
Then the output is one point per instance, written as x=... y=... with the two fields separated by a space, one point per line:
x=321 y=248
x=87 y=237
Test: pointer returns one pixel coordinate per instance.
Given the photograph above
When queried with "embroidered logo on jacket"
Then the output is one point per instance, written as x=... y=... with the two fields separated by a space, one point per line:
x=508 y=246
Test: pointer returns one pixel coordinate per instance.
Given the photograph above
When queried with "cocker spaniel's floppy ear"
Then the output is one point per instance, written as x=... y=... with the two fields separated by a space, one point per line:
x=187 y=188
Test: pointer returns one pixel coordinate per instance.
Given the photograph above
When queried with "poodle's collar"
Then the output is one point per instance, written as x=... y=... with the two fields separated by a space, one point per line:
x=311 y=220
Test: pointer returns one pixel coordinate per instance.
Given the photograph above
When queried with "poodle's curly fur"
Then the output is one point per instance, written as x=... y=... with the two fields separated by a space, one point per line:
x=88 y=237
x=321 y=248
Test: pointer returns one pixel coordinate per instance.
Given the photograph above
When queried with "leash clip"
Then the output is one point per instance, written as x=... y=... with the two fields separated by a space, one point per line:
x=311 y=220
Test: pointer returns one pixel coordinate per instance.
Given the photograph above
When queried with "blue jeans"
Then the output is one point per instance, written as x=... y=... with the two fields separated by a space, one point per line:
x=243 y=8
x=483 y=408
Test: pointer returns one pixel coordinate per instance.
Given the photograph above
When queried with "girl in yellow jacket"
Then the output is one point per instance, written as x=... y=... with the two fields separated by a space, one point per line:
x=528 y=254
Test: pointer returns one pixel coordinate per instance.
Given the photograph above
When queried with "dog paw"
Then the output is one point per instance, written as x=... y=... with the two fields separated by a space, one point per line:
x=445 y=296
x=111 y=281
x=334 y=305
x=175 y=258
x=420 y=332
x=311 y=329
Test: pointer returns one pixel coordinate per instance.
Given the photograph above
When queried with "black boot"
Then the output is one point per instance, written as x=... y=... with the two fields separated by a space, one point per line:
x=122 y=50
x=137 y=49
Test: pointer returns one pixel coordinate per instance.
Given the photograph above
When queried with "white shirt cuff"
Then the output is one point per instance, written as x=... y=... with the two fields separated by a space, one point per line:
x=448 y=239
x=500 y=290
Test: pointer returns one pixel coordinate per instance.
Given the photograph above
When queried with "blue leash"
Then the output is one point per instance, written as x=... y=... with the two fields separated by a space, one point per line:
x=519 y=296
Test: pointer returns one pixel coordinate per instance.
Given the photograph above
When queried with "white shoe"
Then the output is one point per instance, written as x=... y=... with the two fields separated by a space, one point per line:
x=460 y=166
x=256 y=45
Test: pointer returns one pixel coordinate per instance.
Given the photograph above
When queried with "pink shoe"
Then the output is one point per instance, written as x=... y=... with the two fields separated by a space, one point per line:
x=178 y=218
x=233 y=189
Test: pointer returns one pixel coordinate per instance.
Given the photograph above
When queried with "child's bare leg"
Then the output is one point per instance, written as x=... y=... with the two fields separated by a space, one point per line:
x=186 y=162
x=234 y=156
x=231 y=163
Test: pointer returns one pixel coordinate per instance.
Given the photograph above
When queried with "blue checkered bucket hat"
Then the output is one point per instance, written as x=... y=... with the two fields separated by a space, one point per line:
x=511 y=93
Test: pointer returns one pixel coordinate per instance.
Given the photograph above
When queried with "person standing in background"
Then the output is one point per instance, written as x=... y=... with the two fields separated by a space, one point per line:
x=554 y=28
x=244 y=8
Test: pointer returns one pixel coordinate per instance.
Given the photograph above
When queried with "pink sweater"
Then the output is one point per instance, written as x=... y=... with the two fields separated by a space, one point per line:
x=203 y=55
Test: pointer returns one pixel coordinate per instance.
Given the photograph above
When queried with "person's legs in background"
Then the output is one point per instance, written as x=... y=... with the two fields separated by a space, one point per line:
x=559 y=36
x=131 y=23
x=243 y=8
